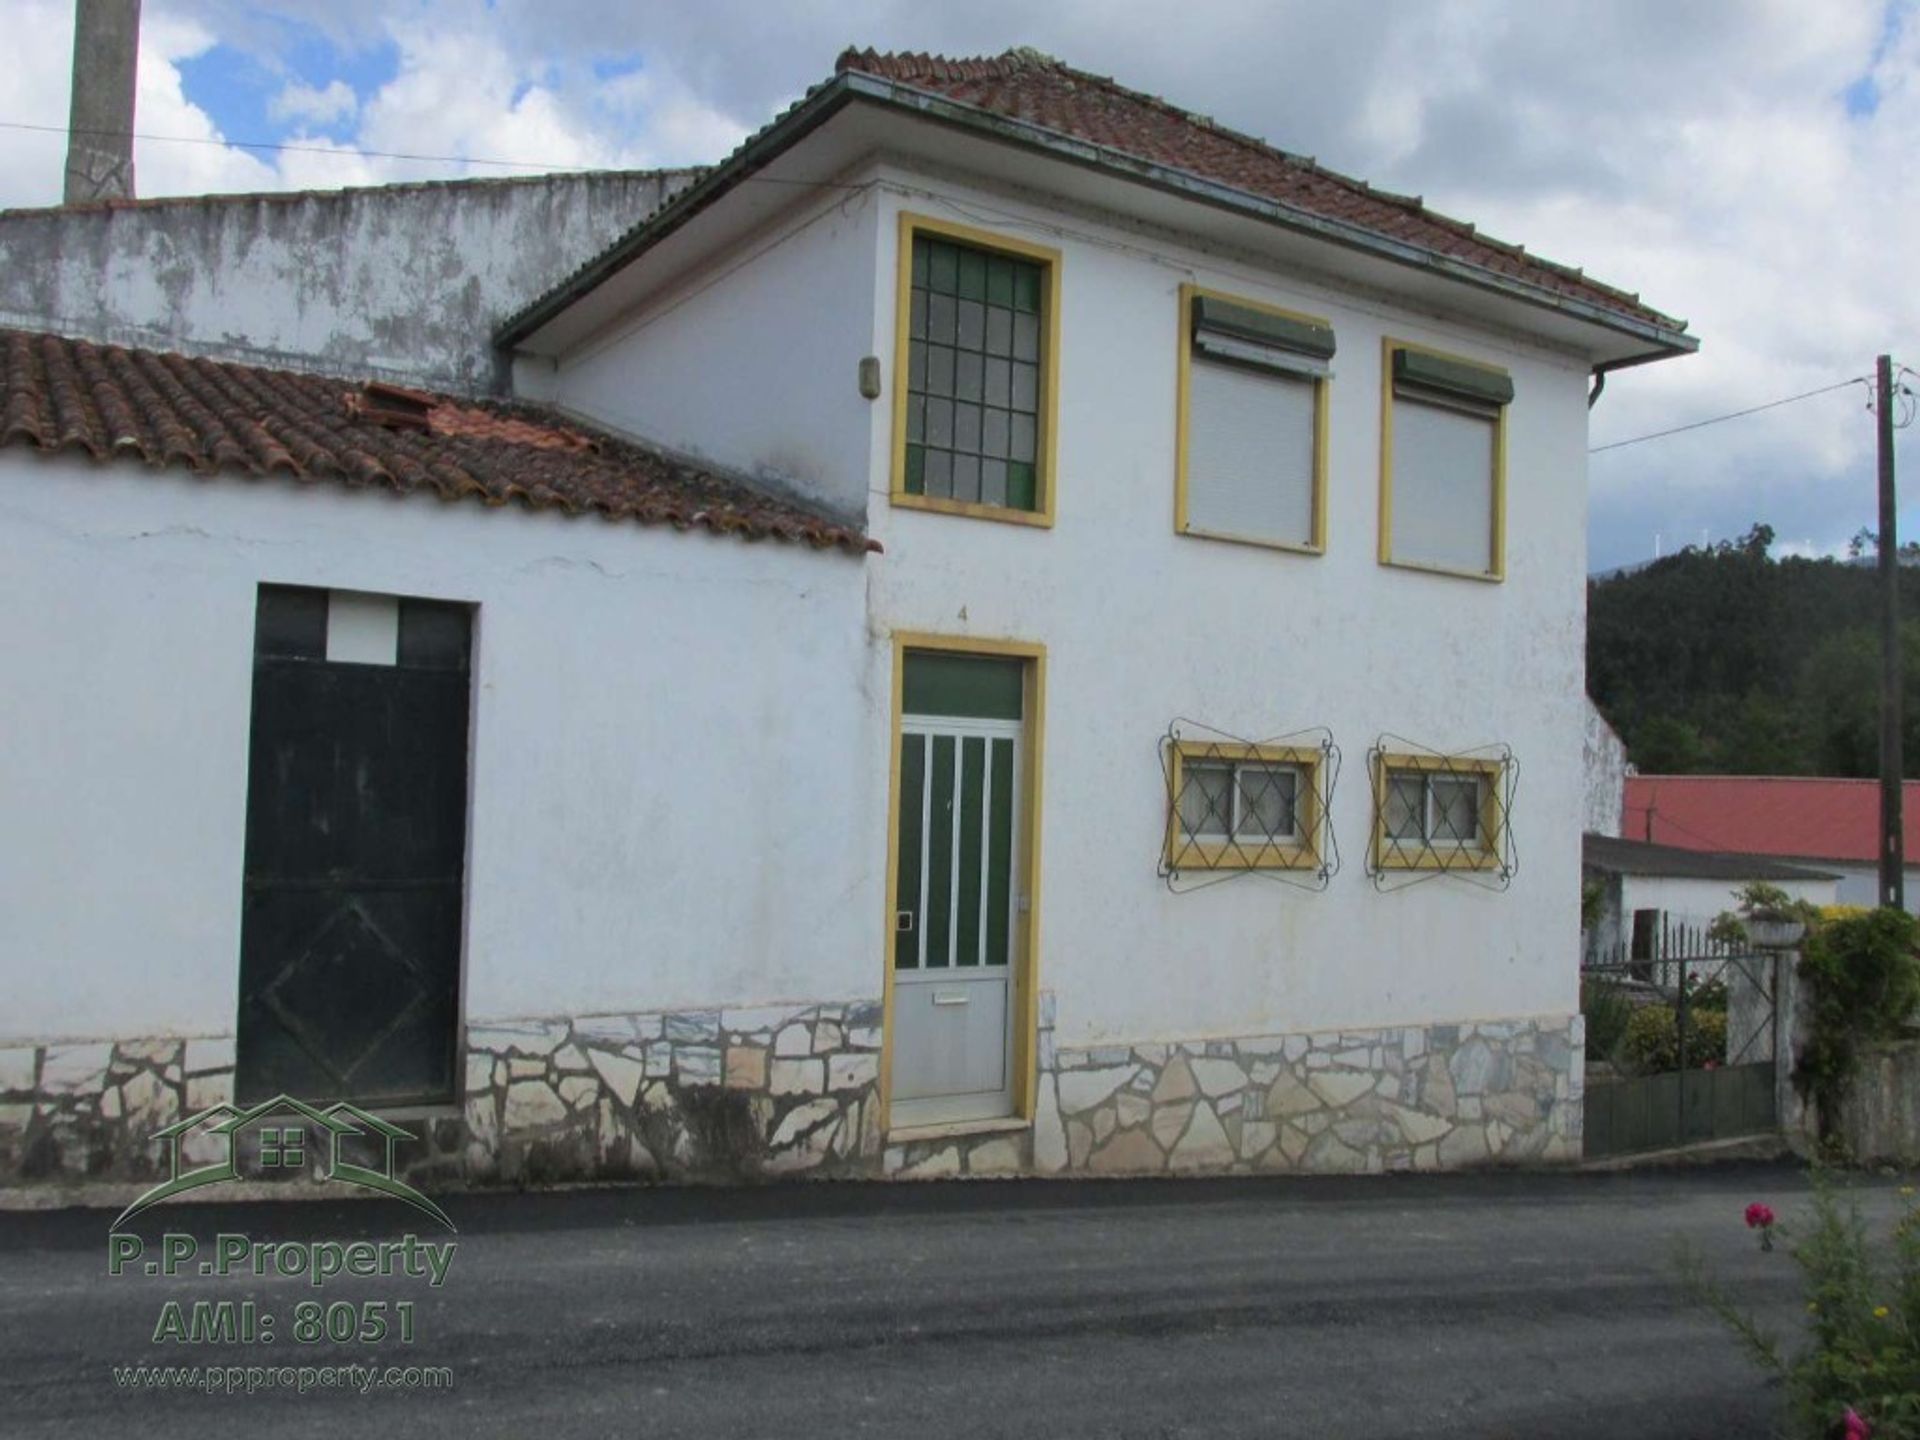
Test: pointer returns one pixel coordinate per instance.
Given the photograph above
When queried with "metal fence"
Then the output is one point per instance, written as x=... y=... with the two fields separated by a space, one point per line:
x=1680 y=1043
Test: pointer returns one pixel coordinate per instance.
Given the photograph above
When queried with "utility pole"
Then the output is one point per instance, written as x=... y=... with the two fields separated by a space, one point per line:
x=1893 y=860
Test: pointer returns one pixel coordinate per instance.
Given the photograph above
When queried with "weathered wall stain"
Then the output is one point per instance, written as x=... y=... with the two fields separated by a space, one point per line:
x=404 y=282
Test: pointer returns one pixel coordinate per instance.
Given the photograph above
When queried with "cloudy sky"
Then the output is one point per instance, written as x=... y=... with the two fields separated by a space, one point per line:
x=1746 y=164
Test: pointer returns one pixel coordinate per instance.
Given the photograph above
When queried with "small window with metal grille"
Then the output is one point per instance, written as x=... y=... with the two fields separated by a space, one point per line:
x=1237 y=806
x=1435 y=812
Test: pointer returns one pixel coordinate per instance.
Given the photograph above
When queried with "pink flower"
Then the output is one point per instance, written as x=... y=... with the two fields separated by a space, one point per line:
x=1857 y=1429
x=1759 y=1216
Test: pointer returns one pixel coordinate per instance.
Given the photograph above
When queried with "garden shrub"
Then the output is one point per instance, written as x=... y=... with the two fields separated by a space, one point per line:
x=1652 y=1041
x=1863 y=982
x=1706 y=993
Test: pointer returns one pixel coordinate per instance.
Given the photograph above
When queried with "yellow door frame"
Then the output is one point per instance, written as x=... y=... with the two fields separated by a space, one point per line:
x=1026 y=959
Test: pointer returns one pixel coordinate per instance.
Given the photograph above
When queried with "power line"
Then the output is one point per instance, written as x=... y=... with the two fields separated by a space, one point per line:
x=1735 y=415
x=1655 y=815
x=277 y=145
x=358 y=154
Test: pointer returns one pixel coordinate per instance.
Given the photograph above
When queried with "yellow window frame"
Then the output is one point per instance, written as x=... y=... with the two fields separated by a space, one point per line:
x=1448 y=855
x=1046 y=448
x=1182 y=428
x=1498 y=540
x=1186 y=853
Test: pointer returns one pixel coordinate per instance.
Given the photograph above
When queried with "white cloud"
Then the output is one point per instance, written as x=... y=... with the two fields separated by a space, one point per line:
x=466 y=87
x=311 y=105
x=191 y=161
x=39 y=62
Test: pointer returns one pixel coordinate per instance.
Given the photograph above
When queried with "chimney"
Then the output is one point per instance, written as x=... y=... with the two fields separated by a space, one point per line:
x=106 y=54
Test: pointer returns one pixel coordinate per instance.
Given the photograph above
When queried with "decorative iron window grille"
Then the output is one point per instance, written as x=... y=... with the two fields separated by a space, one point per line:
x=1248 y=807
x=1440 y=813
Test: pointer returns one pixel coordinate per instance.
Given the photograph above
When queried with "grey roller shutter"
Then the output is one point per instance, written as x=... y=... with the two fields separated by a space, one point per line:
x=1443 y=486
x=1250 y=453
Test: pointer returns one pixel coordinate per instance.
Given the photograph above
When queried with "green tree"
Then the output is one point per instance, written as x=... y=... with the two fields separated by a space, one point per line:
x=1722 y=660
x=1666 y=745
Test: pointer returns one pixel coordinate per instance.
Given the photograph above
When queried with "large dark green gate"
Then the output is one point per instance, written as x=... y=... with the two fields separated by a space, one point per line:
x=1680 y=1050
x=355 y=857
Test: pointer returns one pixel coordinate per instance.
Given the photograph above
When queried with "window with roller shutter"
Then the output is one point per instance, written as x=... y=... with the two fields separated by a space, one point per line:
x=1252 y=422
x=1443 y=463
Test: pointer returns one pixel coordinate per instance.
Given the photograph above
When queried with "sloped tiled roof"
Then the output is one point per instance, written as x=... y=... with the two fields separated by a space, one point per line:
x=1038 y=90
x=1613 y=856
x=1125 y=131
x=207 y=416
x=1793 y=817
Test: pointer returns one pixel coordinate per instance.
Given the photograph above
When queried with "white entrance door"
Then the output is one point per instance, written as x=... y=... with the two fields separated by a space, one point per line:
x=956 y=912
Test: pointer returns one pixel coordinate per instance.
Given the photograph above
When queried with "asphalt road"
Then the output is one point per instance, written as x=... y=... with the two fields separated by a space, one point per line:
x=1498 y=1305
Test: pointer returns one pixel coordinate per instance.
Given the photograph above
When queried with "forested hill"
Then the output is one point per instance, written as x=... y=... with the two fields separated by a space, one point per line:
x=1722 y=660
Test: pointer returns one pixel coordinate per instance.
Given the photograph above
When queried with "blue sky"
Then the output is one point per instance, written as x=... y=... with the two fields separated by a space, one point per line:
x=1742 y=163
x=237 y=88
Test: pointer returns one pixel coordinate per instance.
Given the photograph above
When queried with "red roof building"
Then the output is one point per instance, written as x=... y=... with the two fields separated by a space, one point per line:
x=1793 y=817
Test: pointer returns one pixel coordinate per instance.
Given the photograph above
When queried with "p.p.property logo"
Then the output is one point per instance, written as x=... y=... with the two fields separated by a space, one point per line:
x=338 y=1144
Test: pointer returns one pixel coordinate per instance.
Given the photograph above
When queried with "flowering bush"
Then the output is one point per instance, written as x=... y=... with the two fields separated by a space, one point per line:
x=1858 y=1372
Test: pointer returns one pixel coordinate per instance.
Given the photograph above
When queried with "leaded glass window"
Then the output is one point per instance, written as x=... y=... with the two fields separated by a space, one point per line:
x=974 y=361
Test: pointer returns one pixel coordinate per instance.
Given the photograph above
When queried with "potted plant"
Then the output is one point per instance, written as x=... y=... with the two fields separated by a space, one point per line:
x=1772 y=919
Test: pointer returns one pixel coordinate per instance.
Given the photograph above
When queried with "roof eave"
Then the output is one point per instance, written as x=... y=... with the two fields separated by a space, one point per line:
x=799 y=122
x=1662 y=341
x=1211 y=192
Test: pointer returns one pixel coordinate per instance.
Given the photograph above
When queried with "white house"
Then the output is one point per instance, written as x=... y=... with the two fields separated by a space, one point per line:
x=1661 y=899
x=1147 y=734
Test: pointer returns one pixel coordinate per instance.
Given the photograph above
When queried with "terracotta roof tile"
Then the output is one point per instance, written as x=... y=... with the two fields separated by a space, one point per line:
x=1038 y=90
x=209 y=416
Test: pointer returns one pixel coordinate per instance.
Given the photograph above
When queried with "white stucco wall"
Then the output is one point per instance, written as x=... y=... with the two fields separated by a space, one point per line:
x=673 y=747
x=680 y=743
x=1698 y=902
x=1143 y=625
x=401 y=281
x=1606 y=767
x=753 y=362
